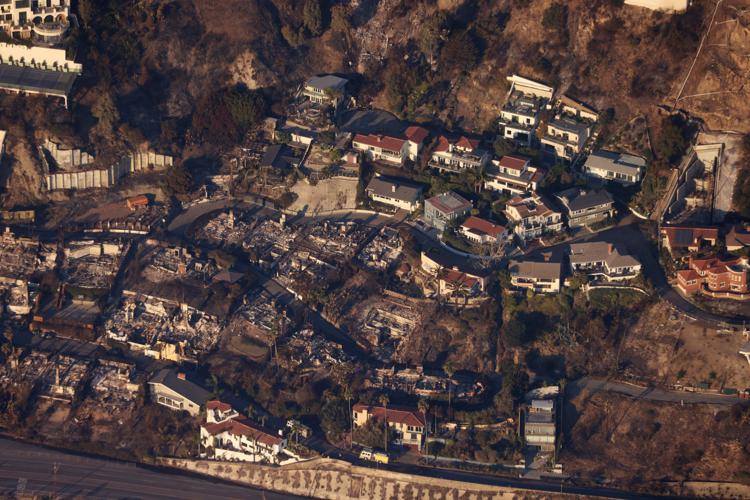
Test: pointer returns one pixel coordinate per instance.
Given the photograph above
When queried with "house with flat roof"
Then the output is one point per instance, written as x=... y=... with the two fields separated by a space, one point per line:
x=565 y=137
x=529 y=87
x=406 y=425
x=663 y=5
x=618 y=167
x=46 y=21
x=540 y=426
x=600 y=259
x=227 y=435
x=519 y=117
x=542 y=277
x=458 y=155
x=395 y=192
x=584 y=207
x=512 y=175
x=532 y=216
x=444 y=209
x=481 y=231
x=173 y=390
x=577 y=109
x=326 y=89
x=686 y=239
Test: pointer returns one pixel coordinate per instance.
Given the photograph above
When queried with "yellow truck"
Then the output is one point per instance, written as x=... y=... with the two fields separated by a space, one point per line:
x=380 y=457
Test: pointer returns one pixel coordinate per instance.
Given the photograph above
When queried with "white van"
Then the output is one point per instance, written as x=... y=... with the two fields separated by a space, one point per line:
x=365 y=454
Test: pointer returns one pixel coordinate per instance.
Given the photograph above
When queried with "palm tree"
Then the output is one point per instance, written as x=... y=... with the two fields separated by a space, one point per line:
x=424 y=407
x=348 y=395
x=449 y=370
x=384 y=401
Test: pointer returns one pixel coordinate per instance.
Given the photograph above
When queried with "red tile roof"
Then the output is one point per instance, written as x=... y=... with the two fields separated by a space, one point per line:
x=443 y=144
x=466 y=143
x=483 y=226
x=457 y=277
x=688 y=275
x=416 y=134
x=396 y=415
x=512 y=162
x=386 y=142
x=241 y=426
x=215 y=404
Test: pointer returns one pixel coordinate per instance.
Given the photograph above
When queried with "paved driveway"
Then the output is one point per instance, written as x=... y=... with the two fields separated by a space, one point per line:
x=594 y=384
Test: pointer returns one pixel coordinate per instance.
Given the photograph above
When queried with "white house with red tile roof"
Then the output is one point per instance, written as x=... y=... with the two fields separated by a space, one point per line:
x=394 y=150
x=482 y=231
x=458 y=155
x=227 y=435
x=415 y=138
x=406 y=425
x=513 y=175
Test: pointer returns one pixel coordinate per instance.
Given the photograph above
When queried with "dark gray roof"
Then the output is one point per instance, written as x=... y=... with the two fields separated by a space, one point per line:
x=395 y=188
x=279 y=156
x=538 y=270
x=622 y=163
x=193 y=392
x=57 y=83
x=579 y=199
x=327 y=82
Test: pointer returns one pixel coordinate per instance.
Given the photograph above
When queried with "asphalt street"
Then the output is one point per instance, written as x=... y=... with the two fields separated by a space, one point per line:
x=29 y=469
x=652 y=393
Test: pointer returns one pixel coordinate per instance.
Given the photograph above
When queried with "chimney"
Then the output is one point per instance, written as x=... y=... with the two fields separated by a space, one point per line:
x=610 y=248
x=181 y=375
x=393 y=188
x=546 y=256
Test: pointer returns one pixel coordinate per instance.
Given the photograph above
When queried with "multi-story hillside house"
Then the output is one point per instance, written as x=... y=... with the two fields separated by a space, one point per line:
x=540 y=427
x=577 y=109
x=519 y=117
x=458 y=155
x=532 y=216
x=227 y=435
x=541 y=277
x=716 y=277
x=600 y=259
x=583 y=207
x=450 y=271
x=397 y=193
x=407 y=426
x=394 y=150
x=618 y=167
x=46 y=19
x=565 y=137
x=327 y=90
x=444 y=209
x=512 y=175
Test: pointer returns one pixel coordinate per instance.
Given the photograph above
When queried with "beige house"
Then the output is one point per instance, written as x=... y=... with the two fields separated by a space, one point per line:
x=407 y=426
x=458 y=155
x=47 y=19
x=172 y=389
x=565 y=137
x=542 y=277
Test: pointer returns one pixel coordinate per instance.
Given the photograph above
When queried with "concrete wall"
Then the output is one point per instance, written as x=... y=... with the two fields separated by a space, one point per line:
x=668 y=5
x=43 y=57
x=67 y=158
x=338 y=480
x=107 y=177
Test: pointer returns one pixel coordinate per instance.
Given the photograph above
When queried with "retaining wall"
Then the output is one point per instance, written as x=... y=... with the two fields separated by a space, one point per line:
x=338 y=480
